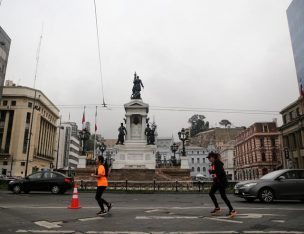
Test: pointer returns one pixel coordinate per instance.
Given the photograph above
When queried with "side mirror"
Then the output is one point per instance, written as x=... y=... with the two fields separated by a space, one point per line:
x=281 y=178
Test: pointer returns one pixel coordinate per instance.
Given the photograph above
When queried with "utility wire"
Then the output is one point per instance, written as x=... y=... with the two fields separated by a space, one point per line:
x=99 y=53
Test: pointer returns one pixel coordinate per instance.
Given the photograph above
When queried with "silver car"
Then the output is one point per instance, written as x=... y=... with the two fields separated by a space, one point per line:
x=286 y=184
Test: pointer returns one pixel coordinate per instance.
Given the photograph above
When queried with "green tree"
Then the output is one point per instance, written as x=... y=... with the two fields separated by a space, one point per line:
x=225 y=122
x=198 y=124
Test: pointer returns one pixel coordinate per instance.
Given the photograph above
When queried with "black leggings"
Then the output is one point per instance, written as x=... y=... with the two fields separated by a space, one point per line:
x=222 y=189
x=98 y=197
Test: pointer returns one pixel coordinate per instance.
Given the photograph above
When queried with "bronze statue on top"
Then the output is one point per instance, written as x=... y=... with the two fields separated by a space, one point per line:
x=137 y=84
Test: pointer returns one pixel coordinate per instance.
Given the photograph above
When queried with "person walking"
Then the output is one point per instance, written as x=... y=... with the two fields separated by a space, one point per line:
x=102 y=184
x=220 y=183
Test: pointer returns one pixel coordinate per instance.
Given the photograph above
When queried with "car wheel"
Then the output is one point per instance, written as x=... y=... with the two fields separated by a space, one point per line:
x=17 y=189
x=55 y=189
x=266 y=195
x=250 y=199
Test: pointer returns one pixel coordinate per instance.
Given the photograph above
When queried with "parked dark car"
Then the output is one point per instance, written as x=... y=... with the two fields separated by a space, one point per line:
x=42 y=181
x=286 y=184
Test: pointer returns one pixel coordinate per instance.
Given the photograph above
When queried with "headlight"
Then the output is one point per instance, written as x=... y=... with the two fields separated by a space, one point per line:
x=249 y=185
x=11 y=182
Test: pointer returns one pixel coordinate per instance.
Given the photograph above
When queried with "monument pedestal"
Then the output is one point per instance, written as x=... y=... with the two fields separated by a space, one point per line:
x=135 y=153
x=184 y=162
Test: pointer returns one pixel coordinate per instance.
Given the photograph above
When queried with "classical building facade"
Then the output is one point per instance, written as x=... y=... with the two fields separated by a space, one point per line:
x=5 y=43
x=198 y=162
x=163 y=145
x=257 y=151
x=293 y=134
x=227 y=157
x=16 y=109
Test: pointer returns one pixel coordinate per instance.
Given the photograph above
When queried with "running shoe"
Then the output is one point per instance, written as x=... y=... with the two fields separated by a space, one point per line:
x=215 y=211
x=231 y=214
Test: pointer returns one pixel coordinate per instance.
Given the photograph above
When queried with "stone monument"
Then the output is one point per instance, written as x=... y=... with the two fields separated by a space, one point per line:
x=135 y=151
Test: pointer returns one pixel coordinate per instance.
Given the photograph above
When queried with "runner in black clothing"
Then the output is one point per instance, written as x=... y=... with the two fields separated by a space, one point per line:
x=220 y=183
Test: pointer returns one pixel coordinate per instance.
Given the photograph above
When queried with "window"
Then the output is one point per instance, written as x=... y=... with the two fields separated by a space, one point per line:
x=192 y=160
x=274 y=155
x=30 y=105
x=204 y=160
x=291 y=175
x=273 y=142
x=263 y=156
x=265 y=128
x=197 y=152
x=284 y=119
x=204 y=169
x=35 y=175
x=262 y=142
x=192 y=169
x=5 y=163
x=49 y=175
x=5 y=103
x=290 y=115
x=198 y=169
x=22 y=164
x=298 y=112
x=198 y=160
x=13 y=103
x=28 y=118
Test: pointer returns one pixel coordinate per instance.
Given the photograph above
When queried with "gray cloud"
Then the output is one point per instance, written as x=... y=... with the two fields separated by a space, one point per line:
x=212 y=53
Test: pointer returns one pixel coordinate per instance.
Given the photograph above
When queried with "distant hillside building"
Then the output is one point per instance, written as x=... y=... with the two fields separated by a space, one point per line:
x=5 y=43
x=217 y=137
x=257 y=151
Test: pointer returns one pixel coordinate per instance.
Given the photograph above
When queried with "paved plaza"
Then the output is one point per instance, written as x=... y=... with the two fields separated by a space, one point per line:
x=144 y=213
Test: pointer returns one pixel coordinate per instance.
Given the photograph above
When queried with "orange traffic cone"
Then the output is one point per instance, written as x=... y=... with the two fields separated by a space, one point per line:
x=75 y=201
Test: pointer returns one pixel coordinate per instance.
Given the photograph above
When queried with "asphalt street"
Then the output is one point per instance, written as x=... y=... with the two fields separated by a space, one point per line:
x=144 y=213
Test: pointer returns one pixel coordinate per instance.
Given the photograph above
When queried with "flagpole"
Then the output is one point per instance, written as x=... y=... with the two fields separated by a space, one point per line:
x=95 y=134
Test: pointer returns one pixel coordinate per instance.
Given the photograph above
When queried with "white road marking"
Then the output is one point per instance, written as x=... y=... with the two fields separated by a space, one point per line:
x=151 y=211
x=223 y=219
x=198 y=232
x=90 y=219
x=255 y=215
x=166 y=217
x=45 y=231
x=48 y=224
x=273 y=232
x=155 y=208
x=278 y=221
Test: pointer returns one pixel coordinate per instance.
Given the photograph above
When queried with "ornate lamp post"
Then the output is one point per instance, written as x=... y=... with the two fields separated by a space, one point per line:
x=174 y=148
x=184 y=136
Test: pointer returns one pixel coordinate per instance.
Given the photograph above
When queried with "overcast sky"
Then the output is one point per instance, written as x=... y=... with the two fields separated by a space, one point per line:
x=220 y=54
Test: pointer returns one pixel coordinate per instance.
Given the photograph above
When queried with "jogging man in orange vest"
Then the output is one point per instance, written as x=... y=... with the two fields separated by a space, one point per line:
x=102 y=184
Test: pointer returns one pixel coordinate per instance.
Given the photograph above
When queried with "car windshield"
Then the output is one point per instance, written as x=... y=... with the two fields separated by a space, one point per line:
x=271 y=175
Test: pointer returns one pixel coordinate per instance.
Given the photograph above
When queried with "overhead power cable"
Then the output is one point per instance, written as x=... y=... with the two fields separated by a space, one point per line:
x=99 y=55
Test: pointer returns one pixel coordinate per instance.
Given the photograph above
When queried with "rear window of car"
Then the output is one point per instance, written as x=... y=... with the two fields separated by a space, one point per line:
x=35 y=175
x=301 y=174
x=51 y=175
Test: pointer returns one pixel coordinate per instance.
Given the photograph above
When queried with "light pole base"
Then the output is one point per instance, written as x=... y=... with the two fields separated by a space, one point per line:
x=184 y=162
